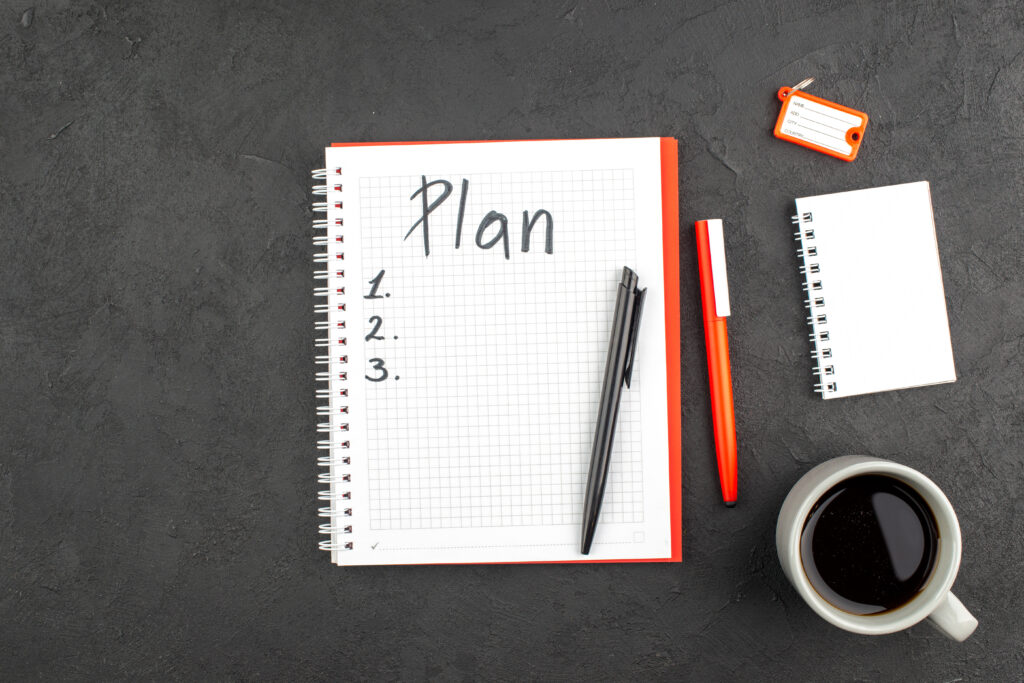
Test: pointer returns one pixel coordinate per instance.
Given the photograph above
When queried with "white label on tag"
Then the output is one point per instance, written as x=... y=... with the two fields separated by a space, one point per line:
x=819 y=124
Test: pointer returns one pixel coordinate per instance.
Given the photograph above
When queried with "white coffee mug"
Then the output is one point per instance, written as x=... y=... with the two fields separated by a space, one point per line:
x=934 y=601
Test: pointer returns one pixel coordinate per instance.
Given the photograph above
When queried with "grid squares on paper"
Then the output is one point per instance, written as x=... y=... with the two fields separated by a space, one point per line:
x=487 y=414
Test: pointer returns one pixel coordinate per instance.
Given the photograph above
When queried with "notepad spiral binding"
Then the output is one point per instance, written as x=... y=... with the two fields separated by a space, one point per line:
x=817 y=310
x=331 y=370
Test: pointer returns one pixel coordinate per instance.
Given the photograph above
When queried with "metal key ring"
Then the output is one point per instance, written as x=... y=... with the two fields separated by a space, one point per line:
x=802 y=84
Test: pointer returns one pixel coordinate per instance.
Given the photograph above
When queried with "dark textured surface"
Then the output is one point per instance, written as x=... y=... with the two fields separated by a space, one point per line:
x=157 y=511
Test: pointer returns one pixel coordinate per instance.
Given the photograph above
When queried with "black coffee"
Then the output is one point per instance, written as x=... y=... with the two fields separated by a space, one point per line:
x=869 y=544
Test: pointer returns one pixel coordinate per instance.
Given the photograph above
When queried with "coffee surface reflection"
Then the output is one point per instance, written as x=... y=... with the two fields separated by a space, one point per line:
x=869 y=544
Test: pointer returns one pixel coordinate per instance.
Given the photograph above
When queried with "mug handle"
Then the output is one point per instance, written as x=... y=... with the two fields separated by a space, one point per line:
x=953 y=619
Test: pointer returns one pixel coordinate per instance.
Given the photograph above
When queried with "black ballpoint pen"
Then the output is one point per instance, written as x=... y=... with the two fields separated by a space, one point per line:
x=618 y=370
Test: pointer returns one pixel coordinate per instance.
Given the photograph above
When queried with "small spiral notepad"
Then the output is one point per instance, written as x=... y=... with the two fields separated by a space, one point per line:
x=465 y=300
x=875 y=301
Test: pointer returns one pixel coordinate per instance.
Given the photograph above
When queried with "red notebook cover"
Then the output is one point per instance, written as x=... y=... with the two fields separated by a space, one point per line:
x=670 y=240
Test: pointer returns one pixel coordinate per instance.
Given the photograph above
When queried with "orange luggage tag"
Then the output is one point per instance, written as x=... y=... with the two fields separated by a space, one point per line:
x=818 y=124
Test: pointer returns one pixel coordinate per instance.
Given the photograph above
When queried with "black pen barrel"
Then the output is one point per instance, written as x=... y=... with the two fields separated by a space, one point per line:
x=608 y=411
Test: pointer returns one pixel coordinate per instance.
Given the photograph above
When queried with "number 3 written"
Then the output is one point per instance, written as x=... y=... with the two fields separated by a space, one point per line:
x=378 y=364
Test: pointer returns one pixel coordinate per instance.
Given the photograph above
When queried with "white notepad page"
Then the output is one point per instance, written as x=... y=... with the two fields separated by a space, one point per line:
x=881 y=295
x=476 y=446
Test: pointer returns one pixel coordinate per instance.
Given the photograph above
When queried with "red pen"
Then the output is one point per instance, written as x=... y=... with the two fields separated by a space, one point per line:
x=714 y=297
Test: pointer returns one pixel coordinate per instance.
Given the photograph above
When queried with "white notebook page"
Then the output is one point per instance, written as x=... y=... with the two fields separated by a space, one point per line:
x=882 y=288
x=476 y=445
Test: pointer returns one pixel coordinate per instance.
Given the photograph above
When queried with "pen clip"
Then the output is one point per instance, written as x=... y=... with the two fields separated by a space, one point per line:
x=634 y=329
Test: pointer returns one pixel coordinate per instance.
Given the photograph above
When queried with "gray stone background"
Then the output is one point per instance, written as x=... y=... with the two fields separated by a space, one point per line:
x=157 y=477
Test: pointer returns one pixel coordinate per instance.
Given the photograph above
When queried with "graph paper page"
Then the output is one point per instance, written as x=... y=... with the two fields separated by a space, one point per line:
x=477 y=354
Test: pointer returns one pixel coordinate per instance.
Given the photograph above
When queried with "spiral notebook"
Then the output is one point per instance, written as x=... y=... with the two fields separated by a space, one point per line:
x=464 y=301
x=875 y=300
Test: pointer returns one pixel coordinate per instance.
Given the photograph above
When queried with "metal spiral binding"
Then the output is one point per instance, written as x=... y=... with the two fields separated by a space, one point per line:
x=814 y=302
x=328 y=279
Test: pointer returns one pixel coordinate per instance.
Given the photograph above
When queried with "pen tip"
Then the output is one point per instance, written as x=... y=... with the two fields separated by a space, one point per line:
x=730 y=503
x=586 y=542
